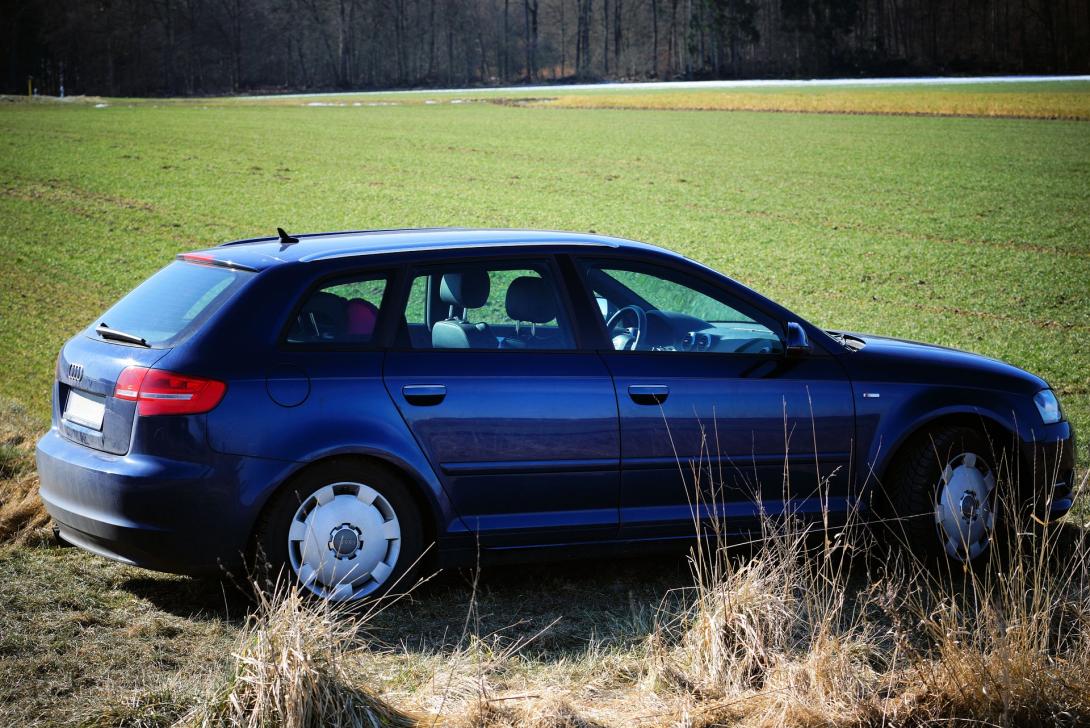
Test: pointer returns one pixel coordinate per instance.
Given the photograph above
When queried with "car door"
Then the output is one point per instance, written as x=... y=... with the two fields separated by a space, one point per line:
x=715 y=418
x=519 y=422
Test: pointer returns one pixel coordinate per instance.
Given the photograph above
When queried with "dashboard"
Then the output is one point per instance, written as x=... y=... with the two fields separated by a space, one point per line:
x=672 y=331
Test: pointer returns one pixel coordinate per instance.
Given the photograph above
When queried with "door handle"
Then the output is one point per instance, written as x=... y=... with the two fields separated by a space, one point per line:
x=648 y=393
x=424 y=395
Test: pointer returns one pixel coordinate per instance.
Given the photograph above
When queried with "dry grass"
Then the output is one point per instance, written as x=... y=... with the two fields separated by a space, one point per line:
x=293 y=668
x=22 y=517
x=984 y=102
x=795 y=630
x=800 y=632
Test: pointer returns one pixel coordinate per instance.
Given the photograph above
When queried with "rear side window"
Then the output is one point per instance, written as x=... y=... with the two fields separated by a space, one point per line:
x=485 y=306
x=343 y=312
x=172 y=304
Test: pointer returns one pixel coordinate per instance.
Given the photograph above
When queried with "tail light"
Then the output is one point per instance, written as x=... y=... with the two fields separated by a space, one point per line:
x=158 y=392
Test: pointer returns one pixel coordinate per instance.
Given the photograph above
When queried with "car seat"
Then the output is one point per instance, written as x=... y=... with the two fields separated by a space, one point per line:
x=529 y=301
x=462 y=291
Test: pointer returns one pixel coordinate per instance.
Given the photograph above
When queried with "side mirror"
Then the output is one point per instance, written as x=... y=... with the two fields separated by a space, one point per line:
x=798 y=344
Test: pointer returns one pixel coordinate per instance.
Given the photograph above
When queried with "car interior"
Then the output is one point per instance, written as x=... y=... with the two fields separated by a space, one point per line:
x=477 y=308
x=463 y=309
x=672 y=316
x=327 y=317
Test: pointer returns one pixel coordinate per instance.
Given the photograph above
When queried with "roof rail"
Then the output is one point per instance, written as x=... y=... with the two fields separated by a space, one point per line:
x=275 y=238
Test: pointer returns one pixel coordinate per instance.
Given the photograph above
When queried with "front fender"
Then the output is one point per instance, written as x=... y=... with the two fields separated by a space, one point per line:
x=886 y=422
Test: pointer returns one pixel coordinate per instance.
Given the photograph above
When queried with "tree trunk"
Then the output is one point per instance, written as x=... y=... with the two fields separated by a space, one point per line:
x=605 y=37
x=431 y=40
x=654 y=38
x=618 y=7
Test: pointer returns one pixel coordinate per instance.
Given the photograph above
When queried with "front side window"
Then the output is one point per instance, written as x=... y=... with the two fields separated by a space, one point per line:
x=343 y=312
x=486 y=306
x=645 y=309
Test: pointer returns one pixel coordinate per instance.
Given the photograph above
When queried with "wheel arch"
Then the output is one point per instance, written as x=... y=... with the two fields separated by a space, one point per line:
x=1001 y=433
x=417 y=485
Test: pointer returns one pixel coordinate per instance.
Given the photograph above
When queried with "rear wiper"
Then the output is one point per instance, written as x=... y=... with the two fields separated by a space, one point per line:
x=106 y=332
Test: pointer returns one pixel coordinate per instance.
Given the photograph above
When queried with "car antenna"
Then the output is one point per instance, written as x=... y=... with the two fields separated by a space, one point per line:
x=285 y=239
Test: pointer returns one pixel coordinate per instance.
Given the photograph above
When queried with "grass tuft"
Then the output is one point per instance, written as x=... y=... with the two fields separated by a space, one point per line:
x=292 y=669
x=22 y=517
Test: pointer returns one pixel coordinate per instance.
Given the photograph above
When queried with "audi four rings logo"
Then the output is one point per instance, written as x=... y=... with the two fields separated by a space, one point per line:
x=75 y=372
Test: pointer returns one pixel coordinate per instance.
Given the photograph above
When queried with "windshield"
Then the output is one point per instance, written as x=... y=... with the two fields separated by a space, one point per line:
x=169 y=306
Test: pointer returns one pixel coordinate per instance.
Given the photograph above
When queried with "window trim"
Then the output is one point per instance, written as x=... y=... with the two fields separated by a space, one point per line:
x=379 y=338
x=651 y=266
x=511 y=261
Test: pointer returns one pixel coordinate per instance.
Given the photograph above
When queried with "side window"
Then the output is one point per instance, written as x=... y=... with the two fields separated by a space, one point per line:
x=650 y=310
x=344 y=312
x=486 y=306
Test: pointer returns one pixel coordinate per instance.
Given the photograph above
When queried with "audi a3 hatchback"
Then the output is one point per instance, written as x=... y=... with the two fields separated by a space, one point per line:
x=340 y=402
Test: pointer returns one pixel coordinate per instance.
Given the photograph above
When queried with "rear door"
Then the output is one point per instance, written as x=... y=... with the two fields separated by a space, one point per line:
x=520 y=423
x=714 y=418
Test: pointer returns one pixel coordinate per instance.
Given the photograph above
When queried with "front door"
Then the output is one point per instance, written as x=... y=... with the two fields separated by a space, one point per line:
x=715 y=419
x=520 y=424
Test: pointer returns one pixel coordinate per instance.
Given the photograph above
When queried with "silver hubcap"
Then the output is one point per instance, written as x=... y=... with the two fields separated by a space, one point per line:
x=344 y=541
x=964 y=512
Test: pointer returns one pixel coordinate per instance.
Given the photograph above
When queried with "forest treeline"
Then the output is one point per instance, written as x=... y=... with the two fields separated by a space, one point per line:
x=189 y=47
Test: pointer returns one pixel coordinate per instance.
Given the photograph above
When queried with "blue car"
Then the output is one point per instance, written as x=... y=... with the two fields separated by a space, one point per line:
x=340 y=403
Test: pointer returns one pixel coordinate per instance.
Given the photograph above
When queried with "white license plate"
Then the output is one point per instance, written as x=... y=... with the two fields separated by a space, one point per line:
x=85 y=409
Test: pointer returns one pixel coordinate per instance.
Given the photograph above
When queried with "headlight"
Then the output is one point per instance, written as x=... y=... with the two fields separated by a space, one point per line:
x=1048 y=406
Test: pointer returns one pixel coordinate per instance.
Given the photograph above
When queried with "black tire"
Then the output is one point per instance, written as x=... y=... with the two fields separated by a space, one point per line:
x=912 y=490
x=271 y=556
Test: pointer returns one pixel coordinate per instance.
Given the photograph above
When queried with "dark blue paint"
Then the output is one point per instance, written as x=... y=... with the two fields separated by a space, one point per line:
x=509 y=437
x=511 y=449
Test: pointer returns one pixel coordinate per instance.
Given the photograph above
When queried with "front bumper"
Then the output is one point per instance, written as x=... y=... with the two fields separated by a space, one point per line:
x=1049 y=466
x=163 y=514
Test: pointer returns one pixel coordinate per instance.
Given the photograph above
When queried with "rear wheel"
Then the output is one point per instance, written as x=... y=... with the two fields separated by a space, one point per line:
x=943 y=494
x=345 y=531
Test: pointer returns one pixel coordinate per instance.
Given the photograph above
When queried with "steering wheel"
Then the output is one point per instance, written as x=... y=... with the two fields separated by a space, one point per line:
x=628 y=337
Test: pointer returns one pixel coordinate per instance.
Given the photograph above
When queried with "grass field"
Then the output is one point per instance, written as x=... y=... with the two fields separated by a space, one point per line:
x=968 y=232
x=1040 y=99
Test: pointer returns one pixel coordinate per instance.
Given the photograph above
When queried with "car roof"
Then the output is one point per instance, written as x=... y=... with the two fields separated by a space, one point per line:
x=261 y=253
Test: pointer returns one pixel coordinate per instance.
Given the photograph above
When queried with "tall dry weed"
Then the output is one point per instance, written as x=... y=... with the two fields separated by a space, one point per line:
x=294 y=668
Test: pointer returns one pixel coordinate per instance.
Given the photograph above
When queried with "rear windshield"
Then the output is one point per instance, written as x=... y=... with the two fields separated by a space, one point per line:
x=169 y=306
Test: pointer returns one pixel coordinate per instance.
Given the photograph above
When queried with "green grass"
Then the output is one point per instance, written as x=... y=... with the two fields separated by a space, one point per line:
x=966 y=232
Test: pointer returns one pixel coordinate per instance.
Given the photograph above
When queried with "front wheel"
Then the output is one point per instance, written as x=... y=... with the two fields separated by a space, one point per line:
x=943 y=494
x=344 y=530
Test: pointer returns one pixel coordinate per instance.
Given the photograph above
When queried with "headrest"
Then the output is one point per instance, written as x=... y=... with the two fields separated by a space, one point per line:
x=328 y=305
x=466 y=289
x=361 y=316
x=530 y=299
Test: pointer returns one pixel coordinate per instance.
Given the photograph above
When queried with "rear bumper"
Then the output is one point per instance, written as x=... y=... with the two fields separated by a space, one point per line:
x=162 y=514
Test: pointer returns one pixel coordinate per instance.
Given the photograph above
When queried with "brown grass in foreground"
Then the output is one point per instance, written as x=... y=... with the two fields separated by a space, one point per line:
x=22 y=517
x=293 y=669
x=795 y=634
